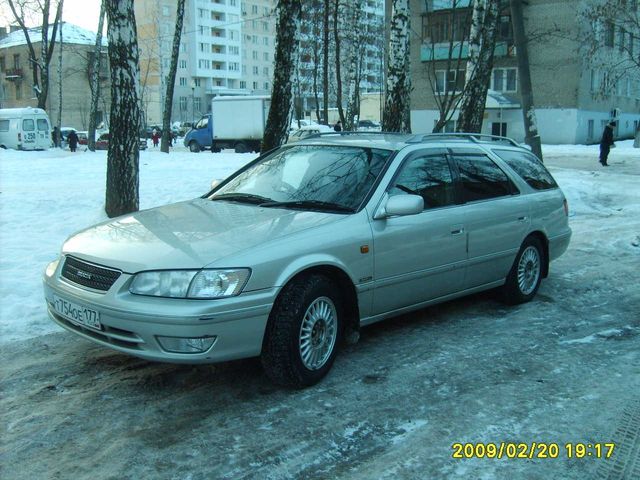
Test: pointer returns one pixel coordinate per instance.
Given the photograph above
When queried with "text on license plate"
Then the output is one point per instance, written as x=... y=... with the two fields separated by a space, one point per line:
x=77 y=313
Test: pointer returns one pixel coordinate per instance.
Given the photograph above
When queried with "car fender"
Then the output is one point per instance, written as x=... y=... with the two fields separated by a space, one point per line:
x=313 y=260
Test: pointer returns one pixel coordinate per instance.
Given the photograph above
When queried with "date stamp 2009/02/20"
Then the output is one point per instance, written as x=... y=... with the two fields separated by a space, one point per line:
x=533 y=450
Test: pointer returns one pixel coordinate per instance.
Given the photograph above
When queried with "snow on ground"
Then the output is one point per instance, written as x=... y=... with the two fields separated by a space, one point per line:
x=562 y=368
x=46 y=196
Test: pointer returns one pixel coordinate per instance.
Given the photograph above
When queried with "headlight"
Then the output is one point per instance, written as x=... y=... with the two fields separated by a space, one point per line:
x=199 y=284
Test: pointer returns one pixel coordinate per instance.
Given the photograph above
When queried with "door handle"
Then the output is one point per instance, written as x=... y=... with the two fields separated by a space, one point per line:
x=457 y=230
x=522 y=219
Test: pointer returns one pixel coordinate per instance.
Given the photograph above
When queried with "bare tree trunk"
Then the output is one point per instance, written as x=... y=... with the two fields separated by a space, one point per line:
x=95 y=81
x=284 y=69
x=353 y=91
x=171 y=80
x=325 y=63
x=482 y=41
x=396 y=115
x=122 y=193
x=39 y=67
x=336 y=36
x=528 y=110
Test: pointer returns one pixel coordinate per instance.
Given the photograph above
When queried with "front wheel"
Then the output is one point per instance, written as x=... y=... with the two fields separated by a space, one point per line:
x=194 y=147
x=303 y=332
x=525 y=275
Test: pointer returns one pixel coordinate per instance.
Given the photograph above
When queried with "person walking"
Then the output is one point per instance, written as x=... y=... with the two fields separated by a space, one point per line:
x=72 y=140
x=55 y=136
x=338 y=126
x=155 y=137
x=606 y=143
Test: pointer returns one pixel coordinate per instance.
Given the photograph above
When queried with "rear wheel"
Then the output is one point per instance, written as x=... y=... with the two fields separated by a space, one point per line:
x=194 y=147
x=524 y=278
x=241 y=147
x=303 y=332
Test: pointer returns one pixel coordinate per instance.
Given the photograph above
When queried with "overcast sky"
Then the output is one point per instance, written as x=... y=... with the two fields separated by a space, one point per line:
x=83 y=13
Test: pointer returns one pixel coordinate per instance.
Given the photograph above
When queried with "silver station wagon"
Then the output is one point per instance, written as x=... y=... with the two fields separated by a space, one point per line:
x=293 y=253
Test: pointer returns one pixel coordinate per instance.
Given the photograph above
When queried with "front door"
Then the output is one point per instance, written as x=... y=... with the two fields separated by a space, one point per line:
x=420 y=257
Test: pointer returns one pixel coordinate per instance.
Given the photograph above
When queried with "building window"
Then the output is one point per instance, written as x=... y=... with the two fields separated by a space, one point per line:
x=16 y=61
x=609 y=34
x=254 y=55
x=243 y=84
x=265 y=40
x=233 y=50
x=183 y=64
x=234 y=66
x=255 y=70
x=196 y=82
x=18 y=91
x=1 y=64
x=254 y=9
x=183 y=104
x=255 y=85
x=183 y=82
x=590 y=131
x=197 y=104
x=254 y=39
x=594 y=80
x=449 y=81
x=265 y=71
x=266 y=56
x=266 y=85
x=504 y=80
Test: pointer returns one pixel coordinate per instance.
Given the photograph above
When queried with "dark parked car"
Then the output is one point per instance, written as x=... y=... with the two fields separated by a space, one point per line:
x=103 y=142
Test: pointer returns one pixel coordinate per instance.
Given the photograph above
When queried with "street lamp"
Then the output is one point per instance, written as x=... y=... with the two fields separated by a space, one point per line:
x=193 y=102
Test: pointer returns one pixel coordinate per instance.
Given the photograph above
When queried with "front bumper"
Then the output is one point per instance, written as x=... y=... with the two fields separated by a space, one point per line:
x=133 y=323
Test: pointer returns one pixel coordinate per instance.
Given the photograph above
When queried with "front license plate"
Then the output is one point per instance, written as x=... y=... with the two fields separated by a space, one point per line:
x=77 y=313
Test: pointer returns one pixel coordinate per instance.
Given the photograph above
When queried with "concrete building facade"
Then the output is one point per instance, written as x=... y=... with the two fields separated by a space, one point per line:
x=76 y=52
x=571 y=107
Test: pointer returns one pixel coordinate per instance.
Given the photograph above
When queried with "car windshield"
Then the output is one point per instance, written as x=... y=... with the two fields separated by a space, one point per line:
x=330 y=178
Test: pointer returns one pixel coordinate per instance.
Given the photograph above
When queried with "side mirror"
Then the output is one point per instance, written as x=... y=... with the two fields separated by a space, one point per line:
x=401 y=205
x=215 y=182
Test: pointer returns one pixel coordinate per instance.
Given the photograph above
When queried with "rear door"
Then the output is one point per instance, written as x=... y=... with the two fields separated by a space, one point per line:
x=497 y=216
x=43 y=135
x=420 y=257
x=29 y=132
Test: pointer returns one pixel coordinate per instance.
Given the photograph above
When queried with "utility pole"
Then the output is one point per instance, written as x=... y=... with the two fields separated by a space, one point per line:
x=532 y=138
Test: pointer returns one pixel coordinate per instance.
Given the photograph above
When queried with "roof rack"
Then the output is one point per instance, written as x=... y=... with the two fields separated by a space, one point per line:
x=470 y=137
x=350 y=133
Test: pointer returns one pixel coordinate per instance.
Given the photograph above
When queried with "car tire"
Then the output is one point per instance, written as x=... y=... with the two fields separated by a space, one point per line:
x=241 y=147
x=194 y=147
x=303 y=332
x=525 y=275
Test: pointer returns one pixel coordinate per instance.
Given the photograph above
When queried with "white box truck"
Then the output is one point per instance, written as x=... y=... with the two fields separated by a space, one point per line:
x=235 y=122
x=25 y=129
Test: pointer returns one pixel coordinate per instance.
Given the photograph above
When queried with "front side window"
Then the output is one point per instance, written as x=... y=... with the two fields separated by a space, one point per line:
x=202 y=123
x=529 y=168
x=428 y=176
x=308 y=177
x=481 y=179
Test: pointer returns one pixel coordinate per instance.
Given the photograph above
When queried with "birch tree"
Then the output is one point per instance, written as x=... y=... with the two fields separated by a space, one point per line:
x=122 y=192
x=278 y=120
x=22 y=10
x=482 y=41
x=396 y=115
x=337 y=8
x=353 y=92
x=171 y=79
x=95 y=81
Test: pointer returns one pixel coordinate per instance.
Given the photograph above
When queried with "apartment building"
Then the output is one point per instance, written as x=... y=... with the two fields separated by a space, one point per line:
x=227 y=48
x=68 y=73
x=571 y=104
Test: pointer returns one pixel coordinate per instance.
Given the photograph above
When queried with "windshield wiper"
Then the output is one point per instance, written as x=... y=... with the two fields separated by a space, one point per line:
x=242 y=198
x=312 y=205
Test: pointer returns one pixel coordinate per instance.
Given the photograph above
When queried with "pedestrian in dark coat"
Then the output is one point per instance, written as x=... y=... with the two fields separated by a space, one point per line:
x=55 y=136
x=72 y=140
x=338 y=126
x=606 y=143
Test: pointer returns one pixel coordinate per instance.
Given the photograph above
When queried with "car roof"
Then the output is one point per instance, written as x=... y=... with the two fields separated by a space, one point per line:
x=398 y=141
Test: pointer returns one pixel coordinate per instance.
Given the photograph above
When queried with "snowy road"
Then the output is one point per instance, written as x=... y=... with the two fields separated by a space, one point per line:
x=564 y=368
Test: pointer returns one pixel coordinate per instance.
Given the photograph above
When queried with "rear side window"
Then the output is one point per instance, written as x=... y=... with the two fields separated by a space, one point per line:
x=529 y=168
x=4 y=125
x=28 y=125
x=481 y=179
x=43 y=125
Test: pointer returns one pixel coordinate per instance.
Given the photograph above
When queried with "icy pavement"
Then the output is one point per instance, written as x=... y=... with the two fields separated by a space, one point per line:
x=564 y=368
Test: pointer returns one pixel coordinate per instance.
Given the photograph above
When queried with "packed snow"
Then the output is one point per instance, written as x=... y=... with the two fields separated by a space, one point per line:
x=564 y=368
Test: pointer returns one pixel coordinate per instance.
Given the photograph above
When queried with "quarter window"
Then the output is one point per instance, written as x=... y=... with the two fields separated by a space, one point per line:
x=529 y=168
x=481 y=179
x=429 y=177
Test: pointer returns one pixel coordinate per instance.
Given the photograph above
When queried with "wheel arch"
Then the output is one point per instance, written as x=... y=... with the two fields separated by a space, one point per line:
x=345 y=287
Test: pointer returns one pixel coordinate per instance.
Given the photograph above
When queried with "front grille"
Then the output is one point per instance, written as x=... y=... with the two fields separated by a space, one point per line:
x=88 y=274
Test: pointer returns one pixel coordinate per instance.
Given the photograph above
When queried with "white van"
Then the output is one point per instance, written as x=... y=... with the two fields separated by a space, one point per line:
x=25 y=129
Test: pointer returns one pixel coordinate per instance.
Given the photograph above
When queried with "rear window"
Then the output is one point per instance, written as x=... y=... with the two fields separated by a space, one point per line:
x=43 y=125
x=529 y=167
x=28 y=125
x=4 y=125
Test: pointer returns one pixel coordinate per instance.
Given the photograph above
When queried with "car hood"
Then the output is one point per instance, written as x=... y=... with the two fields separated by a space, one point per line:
x=190 y=234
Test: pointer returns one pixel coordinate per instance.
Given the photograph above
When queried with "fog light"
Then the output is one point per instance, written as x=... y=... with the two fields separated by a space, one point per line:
x=186 y=345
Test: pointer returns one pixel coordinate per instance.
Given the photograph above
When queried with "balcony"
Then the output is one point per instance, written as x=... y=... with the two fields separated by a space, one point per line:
x=13 y=74
x=440 y=51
